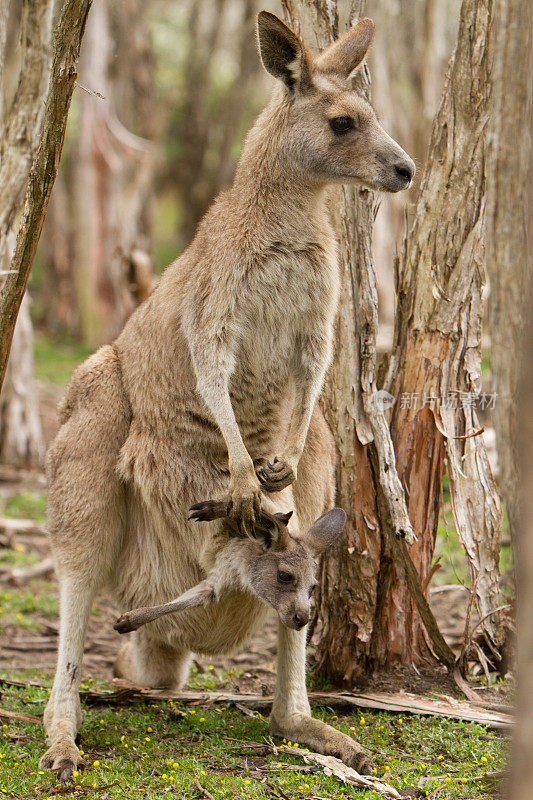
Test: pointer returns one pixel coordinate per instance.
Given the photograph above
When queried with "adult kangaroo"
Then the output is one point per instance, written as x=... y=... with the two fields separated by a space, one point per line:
x=210 y=393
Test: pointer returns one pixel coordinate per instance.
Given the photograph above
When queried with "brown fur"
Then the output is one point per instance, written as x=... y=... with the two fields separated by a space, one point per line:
x=215 y=374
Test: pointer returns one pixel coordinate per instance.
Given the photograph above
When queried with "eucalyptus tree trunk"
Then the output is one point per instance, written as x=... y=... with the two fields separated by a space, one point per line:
x=368 y=619
x=436 y=362
x=20 y=427
x=507 y=176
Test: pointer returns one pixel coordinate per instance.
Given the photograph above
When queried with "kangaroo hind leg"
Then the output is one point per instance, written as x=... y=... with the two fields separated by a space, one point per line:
x=62 y=716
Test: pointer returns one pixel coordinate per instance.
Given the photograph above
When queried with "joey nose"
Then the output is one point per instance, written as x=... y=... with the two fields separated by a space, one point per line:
x=299 y=620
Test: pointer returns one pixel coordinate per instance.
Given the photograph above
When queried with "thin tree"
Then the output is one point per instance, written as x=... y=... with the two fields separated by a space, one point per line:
x=20 y=428
x=67 y=41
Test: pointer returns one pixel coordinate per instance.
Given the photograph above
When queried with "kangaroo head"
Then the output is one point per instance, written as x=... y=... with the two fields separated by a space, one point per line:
x=283 y=574
x=276 y=564
x=330 y=133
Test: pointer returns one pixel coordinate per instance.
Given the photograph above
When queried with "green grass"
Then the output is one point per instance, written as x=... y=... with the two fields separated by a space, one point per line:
x=55 y=361
x=154 y=751
x=26 y=505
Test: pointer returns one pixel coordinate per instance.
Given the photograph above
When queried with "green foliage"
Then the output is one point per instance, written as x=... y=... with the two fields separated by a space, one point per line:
x=26 y=505
x=55 y=361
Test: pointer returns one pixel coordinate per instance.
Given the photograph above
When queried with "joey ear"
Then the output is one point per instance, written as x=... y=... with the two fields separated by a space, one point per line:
x=282 y=53
x=325 y=530
x=345 y=55
x=269 y=528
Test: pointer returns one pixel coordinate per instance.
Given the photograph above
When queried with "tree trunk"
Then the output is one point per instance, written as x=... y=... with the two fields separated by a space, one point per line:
x=436 y=362
x=368 y=620
x=20 y=427
x=115 y=171
x=506 y=225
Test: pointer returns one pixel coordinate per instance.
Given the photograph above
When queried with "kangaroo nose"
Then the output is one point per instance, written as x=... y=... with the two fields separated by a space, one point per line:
x=405 y=171
x=299 y=620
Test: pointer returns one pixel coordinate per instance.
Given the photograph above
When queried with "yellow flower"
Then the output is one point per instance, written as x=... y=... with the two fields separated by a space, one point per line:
x=440 y=757
x=96 y=763
x=82 y=752
x=352 y=727
x=122 y=738
x=247 y=782
x=210 y=666
x=296 y=744
x=164 y=775
x=149 y=729
x=75 y=773
x=175 y=765
x=484 y=759
x=101 y=722
x=147 y=739
x=463 y=780
x=202 y=772
x=41 y=772
x=202 y=719
x=400 y=720
x=448 y=779
x=362 y=721
x=192 y=711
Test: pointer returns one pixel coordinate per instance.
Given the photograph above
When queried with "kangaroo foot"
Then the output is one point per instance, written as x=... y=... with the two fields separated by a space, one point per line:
x=323 y=738
x=64 y=758
x=276 y=475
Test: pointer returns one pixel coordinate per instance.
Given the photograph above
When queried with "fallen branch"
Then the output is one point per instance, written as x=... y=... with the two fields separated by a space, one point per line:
x=204 y=791
x=399 y=702
x=20 y=575
x=11 y=525
x=5 y=714
x=337 y=768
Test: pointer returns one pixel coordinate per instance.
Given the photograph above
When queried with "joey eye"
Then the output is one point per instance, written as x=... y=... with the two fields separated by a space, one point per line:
x=284 y=577
x=341 y=124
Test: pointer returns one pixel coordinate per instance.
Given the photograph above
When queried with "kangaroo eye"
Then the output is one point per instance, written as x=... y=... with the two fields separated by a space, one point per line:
x=341 y=124
x=284 y=577
x=313 y=588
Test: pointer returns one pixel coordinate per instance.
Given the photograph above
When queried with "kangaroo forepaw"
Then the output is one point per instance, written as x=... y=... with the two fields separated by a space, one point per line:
x=63 y=758
x=276 y=475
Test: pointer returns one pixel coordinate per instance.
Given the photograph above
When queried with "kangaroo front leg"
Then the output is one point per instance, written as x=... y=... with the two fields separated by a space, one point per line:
x=213 y=367
x=291 y=713
x=311 y=362
x=62 y=716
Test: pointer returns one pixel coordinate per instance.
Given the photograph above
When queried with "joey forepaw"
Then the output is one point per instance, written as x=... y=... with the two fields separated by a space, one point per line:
x=277 y=475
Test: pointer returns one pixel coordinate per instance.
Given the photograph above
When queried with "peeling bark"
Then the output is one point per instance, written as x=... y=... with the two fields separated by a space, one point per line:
x=436 y=364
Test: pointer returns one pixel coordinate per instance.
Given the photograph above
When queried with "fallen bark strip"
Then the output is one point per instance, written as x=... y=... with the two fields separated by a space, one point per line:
x=338 y=769
x=5 y=714
x=12 y=525
x=399 y=702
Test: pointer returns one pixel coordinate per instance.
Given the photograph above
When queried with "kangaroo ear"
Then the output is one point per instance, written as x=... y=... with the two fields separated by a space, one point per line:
x=269 y=529
x=325 y=531
x=345 y=55
x=282 y=53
